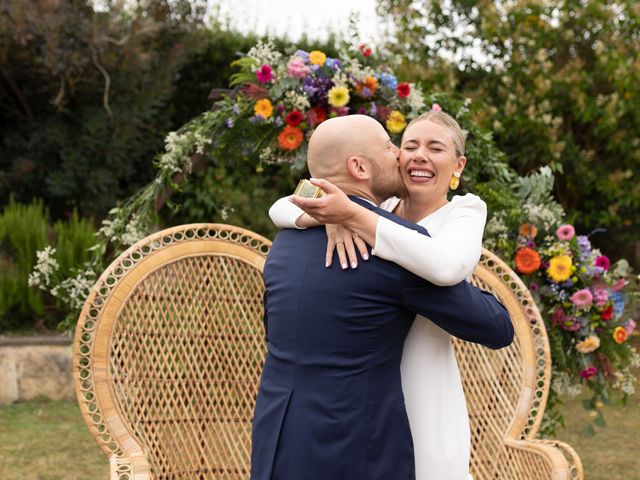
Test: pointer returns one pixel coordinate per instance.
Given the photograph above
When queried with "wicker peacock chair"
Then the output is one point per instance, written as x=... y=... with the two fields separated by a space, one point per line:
x=170 y=344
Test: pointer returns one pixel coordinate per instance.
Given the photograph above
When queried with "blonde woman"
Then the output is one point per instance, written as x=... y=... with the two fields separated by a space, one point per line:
x=432 y=158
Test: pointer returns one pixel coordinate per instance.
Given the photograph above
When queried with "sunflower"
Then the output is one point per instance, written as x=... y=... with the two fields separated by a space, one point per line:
x=290 y=138
x=560 y=268
x=263 y=108
x=527 y=260
x=338 y=96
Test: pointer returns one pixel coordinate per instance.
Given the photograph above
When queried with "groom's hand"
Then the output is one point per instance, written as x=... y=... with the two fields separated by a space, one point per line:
x=333 y=207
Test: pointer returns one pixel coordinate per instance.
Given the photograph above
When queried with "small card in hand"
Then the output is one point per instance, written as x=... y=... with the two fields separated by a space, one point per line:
x=308 y=190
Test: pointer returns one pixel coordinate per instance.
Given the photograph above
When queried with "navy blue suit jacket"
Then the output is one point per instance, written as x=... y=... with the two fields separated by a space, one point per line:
x=330 y=403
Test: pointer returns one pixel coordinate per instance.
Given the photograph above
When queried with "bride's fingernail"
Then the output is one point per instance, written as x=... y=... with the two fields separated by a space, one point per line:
x=354 y=264
x=365 y=256
x=344 y=266
x=326 y=264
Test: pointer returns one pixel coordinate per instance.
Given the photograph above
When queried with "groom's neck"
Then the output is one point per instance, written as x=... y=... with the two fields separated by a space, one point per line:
x=357 y=191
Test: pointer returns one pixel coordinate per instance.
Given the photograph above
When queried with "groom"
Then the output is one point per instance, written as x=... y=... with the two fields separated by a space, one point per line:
x=330 y=403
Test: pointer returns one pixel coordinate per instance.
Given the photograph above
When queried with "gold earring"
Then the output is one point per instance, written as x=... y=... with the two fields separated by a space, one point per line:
x=455 y=181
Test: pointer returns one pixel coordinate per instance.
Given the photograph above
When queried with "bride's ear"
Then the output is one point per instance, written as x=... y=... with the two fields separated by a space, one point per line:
x=358 y=168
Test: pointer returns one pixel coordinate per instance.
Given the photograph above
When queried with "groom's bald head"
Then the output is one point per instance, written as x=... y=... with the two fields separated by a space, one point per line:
x=337 y=139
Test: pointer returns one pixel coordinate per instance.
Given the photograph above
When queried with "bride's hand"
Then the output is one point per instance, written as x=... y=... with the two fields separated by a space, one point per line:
x=346 y=242
x=334 y=207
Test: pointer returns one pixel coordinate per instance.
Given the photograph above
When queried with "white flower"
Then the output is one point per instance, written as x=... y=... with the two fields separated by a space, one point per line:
x=563 y=385
x=264 y=54
x=45 y=267
x=74 y=290
x=296 y=100
x=133 y=232
x=415 y=99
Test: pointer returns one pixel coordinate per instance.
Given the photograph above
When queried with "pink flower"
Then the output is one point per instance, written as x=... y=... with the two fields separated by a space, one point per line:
x=588 y=372
x=603 y=262
x=436 y=108
x=582 y=298
x=600 y=296
x=296 y=68
x=619 y=285
x=630 y=326
x=565 y=232
x=264 y=74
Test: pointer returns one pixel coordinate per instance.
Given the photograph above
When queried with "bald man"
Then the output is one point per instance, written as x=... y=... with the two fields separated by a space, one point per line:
x=330 y=403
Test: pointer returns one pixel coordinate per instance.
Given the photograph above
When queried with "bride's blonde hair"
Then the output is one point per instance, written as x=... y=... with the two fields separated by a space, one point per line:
x=447 y=122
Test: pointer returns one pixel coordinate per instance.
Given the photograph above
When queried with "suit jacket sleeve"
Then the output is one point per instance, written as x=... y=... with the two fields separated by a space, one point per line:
x=462 y=310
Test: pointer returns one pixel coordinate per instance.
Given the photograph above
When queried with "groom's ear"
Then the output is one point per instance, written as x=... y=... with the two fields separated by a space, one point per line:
x=358 y=167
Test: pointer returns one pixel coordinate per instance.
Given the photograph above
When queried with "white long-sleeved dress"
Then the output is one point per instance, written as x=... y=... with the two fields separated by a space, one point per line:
x=431 y=382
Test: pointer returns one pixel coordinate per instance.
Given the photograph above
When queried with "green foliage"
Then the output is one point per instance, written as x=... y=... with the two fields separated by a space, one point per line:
x=559 y=83
x=86 y=97
x=73 y=238
x=23 y=231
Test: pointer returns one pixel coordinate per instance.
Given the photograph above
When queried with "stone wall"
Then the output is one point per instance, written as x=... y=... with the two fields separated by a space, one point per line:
x=35 y=367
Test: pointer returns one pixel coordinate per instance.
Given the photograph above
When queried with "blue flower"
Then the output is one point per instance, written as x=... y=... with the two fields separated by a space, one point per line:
x=388 y=80
x=618 y=303
x=332 y=63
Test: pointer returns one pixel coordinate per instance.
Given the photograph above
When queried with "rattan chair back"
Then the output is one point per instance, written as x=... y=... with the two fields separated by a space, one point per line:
x=170 y=344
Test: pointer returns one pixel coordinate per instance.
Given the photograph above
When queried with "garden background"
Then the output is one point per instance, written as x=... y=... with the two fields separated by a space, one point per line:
x=88 y=96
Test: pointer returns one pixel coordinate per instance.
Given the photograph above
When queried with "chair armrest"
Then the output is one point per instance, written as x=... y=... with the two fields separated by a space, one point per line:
x=575 y=464
x=545 y=459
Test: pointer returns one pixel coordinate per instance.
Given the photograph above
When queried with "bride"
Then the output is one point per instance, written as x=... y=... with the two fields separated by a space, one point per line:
x=431 y=161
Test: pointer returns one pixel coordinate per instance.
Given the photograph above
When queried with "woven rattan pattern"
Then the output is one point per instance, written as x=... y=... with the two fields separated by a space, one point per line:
x=169 y=347
x=176 y=390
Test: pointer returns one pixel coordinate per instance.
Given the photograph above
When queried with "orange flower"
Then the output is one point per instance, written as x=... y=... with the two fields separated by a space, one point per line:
x=527 y=260
x=290 y=138
x=367 y=88
x=620 y=334
x=527 y=230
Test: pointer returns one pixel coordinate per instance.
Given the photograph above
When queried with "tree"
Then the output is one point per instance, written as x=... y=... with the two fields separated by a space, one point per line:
x=560 y=81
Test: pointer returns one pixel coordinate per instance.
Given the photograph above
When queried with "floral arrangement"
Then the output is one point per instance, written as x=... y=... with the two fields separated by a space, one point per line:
x=284 y=97
x=587 y=303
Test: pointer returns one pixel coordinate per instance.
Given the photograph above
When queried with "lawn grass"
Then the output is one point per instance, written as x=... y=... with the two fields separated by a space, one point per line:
x=50 y=441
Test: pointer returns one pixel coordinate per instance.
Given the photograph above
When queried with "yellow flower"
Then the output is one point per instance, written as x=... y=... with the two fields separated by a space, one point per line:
x=560 y=268
x=263 y=108
x=317 y=57
x=396 y=122
x=588 y=345
x=338 y=96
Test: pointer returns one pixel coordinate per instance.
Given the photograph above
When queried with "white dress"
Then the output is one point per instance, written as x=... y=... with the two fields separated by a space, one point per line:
x=431 y=383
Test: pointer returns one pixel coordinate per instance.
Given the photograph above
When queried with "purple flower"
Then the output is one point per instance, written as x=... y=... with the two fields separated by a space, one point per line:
x=584 y=245
x=256 y=119
x=236 y=109
x=229 y=122
x=279 y=122
x=317 y=89
x=374 y=109
x=303 y=55
x=533 y=286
